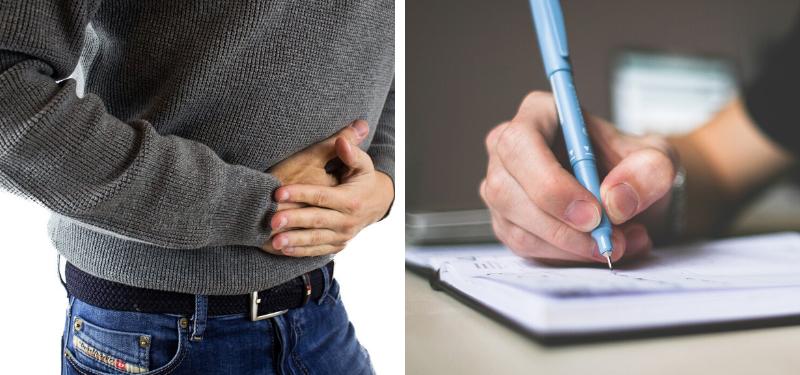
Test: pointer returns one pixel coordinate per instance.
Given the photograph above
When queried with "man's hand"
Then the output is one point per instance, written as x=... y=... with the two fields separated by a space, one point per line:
x=540 y=211
x=335 y=214
x=308 y=165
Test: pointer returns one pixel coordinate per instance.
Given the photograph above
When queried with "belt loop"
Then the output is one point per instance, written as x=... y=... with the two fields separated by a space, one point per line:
x=326 y=277
x=200 y=317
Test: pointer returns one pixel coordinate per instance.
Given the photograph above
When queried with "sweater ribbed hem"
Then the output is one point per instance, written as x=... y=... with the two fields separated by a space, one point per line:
x=197 y=271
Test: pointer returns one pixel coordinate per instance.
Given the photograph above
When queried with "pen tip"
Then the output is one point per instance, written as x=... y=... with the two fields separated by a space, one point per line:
x=608 y=258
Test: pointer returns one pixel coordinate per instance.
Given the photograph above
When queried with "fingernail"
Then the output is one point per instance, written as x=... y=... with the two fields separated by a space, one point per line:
x=583 y=215
x=361 y=128
x=595 y=253
x=288 y=250
x=282 y=196
x=282 y=222
x=280 y=242
x=617 y=239
x=622 y=202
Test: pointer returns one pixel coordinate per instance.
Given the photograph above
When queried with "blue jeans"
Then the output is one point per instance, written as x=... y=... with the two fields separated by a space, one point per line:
x=315 y=339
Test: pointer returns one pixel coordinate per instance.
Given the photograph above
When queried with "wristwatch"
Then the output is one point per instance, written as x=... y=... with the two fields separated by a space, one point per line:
x=676 y=212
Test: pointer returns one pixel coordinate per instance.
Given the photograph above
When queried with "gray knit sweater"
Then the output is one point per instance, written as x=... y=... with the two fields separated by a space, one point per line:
x=156 y=176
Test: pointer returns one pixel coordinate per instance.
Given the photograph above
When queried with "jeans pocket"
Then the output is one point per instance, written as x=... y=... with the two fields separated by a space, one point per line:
x=91 y=349
x=334 y=295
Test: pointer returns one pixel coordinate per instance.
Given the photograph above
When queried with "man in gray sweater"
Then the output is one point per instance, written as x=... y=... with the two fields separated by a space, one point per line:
x=161 y=164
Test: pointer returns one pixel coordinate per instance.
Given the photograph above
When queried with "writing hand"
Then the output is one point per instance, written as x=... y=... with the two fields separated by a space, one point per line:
x=538 y=208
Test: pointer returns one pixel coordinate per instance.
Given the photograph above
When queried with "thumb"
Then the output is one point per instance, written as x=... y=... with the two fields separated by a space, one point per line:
x=361 y=129
x=353 y=157
x=355 y=133
x=639 y=180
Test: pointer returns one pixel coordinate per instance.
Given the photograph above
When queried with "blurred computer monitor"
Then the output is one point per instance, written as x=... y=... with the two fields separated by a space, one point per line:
x=653 y=92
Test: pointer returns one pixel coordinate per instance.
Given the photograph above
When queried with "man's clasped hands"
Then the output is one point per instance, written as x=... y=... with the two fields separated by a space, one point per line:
x=330 y=191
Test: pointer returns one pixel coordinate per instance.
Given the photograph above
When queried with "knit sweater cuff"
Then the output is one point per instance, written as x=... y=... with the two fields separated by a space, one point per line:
x=245 y=219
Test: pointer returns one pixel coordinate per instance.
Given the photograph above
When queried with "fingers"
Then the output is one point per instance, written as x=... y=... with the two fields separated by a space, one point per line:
x=631 y=243
x=289 y=206
x=508 y=200
x=537 y=234
x=354 y=133
x=304 y=251
x=309 y=231
x=639 y=180
x=530 y=232
x=361 y=128
x=306 y=237
x=637 y=241
x=353 y=157
x=312 y=251
x=525 y=154
x=320 y=196
x=309 y=217
x=493 y=136
x=540 y=210
x=538 y=110
x=608 y=143
x=528 y=245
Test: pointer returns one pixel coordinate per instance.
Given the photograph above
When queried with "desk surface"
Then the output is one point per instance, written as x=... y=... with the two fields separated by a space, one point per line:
x=445 y=337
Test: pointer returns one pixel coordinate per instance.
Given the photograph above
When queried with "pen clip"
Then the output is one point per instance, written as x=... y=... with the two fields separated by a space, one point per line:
x=556 y=21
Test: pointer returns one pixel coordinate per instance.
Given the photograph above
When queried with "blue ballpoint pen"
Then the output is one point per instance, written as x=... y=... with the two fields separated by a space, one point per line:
x=550 y=31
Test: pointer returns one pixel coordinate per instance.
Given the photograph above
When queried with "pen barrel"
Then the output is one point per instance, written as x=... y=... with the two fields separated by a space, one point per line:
x=579 y=148
x=552 y=36
x=586 y=173
x=571 y=117
x=548 y=21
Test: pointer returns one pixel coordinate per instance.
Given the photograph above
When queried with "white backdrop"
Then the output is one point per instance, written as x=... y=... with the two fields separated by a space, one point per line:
x=370 y=271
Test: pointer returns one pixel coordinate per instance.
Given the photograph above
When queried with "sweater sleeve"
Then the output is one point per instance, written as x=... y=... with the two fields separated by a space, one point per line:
x=771 y=98
x=70 y=155
x=381 y=150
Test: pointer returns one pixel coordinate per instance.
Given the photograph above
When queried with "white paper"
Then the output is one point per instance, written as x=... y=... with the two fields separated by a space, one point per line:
x=734 y=264
x=744 y=278
x=432 y=257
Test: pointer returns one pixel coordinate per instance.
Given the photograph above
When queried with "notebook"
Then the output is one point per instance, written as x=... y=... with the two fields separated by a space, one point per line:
x=705 y=286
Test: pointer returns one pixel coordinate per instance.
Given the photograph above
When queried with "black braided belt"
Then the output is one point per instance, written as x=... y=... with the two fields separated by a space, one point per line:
x=259 y=305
